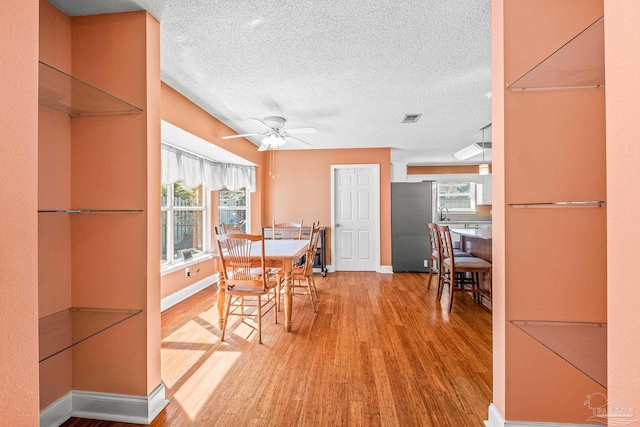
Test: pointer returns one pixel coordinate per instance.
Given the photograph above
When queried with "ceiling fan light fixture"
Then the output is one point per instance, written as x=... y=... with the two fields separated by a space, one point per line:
x=274 y=141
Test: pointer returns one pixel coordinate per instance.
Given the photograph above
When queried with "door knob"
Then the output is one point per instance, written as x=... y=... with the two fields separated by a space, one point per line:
x=337 y=225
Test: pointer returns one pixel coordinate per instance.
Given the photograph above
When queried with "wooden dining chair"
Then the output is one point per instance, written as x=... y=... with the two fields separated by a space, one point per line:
x=461 y=274
x=231 y=228
x=304 y=272
x=436 y=255
x=287 y=230
x=246 y=280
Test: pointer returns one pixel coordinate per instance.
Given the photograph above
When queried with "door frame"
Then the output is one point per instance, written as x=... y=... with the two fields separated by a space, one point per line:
x=376 y=213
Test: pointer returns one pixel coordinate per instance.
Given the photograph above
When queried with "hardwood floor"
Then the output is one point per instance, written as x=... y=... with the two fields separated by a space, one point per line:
x=381 y=351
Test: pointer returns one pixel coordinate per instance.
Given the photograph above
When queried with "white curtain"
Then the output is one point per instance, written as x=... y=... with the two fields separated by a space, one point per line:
x=192 y=170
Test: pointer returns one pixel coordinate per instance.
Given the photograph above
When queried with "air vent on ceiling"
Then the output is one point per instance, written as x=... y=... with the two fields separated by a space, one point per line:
x=410 y=118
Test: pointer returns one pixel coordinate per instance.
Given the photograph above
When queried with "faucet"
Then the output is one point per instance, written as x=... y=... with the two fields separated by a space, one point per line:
x=442 y=217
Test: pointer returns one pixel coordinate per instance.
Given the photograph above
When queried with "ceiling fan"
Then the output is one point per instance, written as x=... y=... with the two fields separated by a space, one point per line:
x=276 y=136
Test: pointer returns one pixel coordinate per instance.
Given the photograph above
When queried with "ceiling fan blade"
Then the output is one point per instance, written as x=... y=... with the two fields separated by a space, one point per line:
x=261 y=121
x=241 y=135
x=300 y=131
x=286 y=135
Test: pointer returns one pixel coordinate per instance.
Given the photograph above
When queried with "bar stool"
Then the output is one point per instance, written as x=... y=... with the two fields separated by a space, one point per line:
x=454 y=270
x=436 y=255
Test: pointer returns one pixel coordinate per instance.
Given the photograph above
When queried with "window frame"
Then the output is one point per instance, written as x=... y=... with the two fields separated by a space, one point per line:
x=472 y=197
x=246 y=208
x=175 y=263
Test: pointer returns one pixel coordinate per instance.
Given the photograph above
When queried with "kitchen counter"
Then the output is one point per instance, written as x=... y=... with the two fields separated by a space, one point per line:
x=466 y=221
x=480 y=233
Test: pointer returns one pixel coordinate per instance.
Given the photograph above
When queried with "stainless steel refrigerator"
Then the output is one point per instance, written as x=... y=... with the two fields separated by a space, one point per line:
x=412 y=207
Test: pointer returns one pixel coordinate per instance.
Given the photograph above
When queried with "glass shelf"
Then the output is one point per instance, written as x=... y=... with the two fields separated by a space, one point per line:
x=579 y=63
x=67 y=94
x=64 y=329
x=92 y=211
x=583 y=204
x=583 y=345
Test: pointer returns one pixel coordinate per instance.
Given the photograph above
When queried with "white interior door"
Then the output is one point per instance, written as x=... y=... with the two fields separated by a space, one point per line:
x=356 y=225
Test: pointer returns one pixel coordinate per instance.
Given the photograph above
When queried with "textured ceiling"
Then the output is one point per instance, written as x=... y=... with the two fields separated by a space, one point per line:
x=352 y=69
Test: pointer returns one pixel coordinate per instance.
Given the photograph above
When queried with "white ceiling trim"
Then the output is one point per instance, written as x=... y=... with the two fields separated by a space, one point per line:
x=180 y=138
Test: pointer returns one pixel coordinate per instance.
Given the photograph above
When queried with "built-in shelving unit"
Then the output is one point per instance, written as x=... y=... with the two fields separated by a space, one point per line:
x=64 y=329
x=551 y=205
x=90 y=211
x=579 y=63
x=65 y=93
x=583 y=345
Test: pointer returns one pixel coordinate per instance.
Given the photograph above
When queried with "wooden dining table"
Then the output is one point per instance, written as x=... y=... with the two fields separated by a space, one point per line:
x=277 y=254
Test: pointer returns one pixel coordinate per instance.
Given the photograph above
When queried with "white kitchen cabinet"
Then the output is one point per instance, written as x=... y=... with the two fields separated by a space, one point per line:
x=486 y=190
x=483 y=191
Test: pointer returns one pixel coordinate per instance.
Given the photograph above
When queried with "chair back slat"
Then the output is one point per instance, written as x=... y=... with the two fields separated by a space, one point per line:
x=287 y=230
x=311 y=249
x=433 y=237
x=444 y=239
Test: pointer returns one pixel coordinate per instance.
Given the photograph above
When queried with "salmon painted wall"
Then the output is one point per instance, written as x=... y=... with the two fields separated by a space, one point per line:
x=176 y=281
x=498 y=206
x=54 y=171
x=554 y=150
x=18 y=206
x=54 y=192
x=112 y=167
x=153 y=109
x=180 y=111
x=623 y=180
x=301 y=188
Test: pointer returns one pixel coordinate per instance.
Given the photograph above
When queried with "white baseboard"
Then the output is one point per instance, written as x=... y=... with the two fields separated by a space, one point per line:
x=106 y=407
x=497 y=420
x=58 y=412
x=386 y=269
x=495 y=417
x=381 y=269
x=185 y=293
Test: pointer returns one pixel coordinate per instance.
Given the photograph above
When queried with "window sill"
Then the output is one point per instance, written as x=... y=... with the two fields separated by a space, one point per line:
x=168 y=269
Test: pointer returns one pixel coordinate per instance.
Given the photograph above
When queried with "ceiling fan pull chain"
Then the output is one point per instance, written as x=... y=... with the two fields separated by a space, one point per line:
x=273 y=161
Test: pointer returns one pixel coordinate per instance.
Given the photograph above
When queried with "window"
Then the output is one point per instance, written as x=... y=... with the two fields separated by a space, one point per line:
x=183 y=221
x=457 y=196
x=233 y=209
